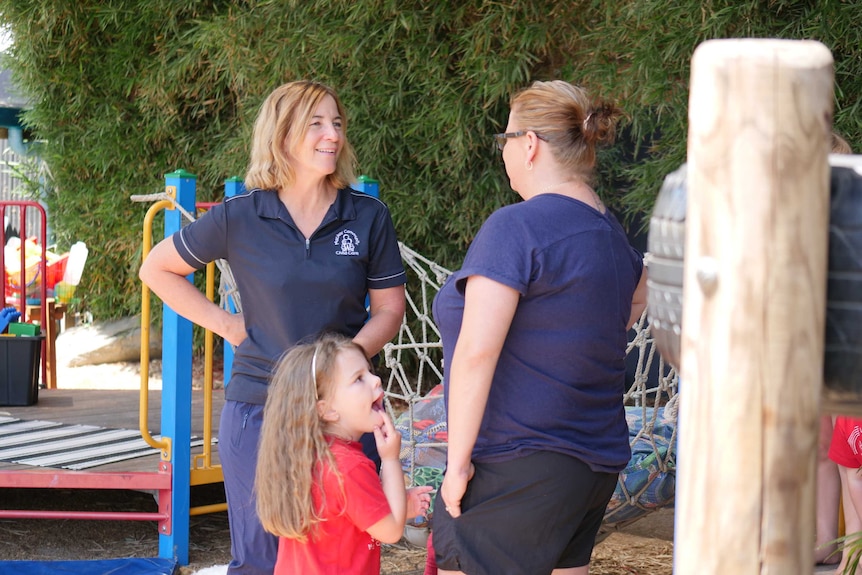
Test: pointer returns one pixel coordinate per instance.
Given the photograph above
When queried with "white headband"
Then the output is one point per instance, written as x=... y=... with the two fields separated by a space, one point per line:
x=314 y=372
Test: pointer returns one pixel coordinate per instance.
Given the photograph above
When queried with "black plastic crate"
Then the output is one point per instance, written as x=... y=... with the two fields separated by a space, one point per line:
x=19 y=369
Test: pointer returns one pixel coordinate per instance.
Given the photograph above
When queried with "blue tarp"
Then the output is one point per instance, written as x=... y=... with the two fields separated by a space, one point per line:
x=101 y=567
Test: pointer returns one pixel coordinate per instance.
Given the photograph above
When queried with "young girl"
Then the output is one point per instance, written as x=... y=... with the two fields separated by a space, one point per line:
x=315 y=488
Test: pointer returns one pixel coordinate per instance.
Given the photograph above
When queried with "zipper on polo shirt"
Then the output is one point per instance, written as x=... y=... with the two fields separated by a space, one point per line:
x=320 y=230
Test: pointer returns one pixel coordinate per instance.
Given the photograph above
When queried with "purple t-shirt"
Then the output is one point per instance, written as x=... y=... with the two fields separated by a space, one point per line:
x=560 y=379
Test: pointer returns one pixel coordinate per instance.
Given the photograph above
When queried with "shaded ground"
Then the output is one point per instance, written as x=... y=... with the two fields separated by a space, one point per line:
x=54 y=540
x=642 y=548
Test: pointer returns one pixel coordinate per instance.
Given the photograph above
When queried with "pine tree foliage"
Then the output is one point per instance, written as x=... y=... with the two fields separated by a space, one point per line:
x=124 y=91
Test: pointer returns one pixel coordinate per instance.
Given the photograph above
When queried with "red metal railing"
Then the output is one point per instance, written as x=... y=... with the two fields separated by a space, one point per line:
x=159 y=481
x=21 y=300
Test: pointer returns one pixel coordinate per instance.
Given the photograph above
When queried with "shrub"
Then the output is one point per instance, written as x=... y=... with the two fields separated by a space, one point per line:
x=124 y=91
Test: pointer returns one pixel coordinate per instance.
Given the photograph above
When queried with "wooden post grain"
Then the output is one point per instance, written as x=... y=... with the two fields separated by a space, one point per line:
x=754 y=306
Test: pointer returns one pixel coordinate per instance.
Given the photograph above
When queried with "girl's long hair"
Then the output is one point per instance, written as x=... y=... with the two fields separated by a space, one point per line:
x=283 y=120
x=293 y=452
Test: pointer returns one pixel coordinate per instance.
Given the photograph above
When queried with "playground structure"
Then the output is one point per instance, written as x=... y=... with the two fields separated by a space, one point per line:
x=177 y=471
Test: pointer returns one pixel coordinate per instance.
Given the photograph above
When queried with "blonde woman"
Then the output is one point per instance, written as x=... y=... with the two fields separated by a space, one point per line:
x=305 y=251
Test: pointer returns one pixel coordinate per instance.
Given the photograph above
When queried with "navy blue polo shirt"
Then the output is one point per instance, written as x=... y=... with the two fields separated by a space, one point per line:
x=291 y=288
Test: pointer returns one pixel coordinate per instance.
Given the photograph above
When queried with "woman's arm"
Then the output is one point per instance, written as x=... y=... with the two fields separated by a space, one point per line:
x=164 y=272
x=489 y=307
x=387 y=311
x=639 y=300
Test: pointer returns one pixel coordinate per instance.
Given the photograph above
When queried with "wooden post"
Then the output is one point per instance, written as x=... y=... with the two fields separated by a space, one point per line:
x=760 y=115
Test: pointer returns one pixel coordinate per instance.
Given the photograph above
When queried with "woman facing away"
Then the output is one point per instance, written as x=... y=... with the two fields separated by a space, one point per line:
x=534 y=329
x=315 y=488
x=305 y=250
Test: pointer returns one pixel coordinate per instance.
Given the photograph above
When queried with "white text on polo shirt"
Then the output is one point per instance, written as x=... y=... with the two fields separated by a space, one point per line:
x=347 y=241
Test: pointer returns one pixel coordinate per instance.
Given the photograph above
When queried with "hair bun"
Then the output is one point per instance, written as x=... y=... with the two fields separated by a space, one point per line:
x=599 y=125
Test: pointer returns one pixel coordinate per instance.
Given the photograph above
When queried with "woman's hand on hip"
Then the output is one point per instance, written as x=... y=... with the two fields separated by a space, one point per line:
x=234 y=329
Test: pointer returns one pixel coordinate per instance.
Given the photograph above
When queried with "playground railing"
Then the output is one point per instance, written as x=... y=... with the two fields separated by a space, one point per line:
x=175 y=438
x=15 y=293
x=179 y=469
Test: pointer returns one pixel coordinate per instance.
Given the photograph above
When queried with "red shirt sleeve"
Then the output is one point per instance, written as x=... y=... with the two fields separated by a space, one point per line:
x=365 y=503
x=846 y=446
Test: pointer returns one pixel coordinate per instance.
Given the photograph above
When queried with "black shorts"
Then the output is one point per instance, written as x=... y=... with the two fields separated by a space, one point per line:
x=528 y=515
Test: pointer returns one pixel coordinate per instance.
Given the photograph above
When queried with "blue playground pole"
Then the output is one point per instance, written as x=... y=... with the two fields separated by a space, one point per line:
x=370 y=186
x=367 y=185
x=232 y=187
x=177 y=388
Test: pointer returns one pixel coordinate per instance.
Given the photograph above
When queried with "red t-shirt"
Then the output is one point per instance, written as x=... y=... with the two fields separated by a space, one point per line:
x=341 y=545
x=846 y=447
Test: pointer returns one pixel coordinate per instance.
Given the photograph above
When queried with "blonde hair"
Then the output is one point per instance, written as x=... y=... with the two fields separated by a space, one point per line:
x=283 y=120
x=293 y=452
x=840 y=145
x=564 y=116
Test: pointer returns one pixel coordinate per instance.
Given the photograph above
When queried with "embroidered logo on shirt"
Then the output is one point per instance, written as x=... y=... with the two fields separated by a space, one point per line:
x=346 y=242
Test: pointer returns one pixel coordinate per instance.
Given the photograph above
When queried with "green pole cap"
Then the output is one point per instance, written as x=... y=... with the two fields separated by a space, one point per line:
x=181 y=173
x=233 y=180
x=367 y=179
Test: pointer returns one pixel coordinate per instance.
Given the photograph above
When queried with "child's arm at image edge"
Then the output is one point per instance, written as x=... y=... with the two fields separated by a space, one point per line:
x=391 y=528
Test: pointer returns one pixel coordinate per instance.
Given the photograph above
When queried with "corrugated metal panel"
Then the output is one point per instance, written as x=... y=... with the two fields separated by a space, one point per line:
x=9 y=191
